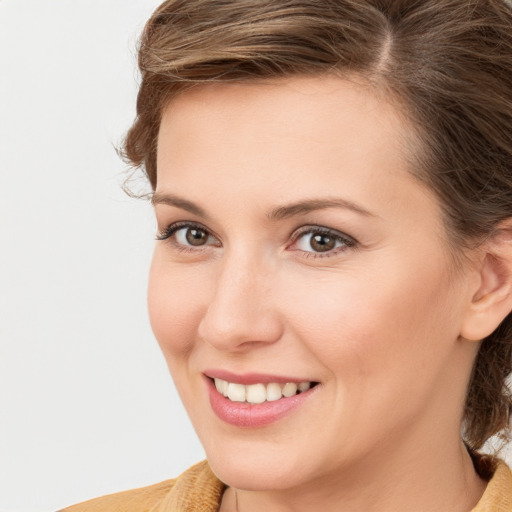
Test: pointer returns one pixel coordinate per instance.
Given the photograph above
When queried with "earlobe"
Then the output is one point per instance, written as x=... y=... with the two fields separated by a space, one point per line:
x=492 y=301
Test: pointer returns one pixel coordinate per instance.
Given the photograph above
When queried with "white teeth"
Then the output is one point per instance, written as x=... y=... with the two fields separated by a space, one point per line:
x=304 y=386
x=236 y=392
x=256 y=393
x=273 y=392
x=222 y=386
x=259 y=393
x=290 y=389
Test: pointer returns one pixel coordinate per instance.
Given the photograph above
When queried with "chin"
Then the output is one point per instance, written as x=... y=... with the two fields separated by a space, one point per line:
x=257 y=469
x=250 y=476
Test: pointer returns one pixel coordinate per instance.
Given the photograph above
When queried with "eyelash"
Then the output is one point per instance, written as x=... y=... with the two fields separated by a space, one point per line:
x=171 y=230
x=347 y=241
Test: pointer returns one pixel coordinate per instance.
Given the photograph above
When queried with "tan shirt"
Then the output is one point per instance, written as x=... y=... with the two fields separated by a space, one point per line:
x=199 y=490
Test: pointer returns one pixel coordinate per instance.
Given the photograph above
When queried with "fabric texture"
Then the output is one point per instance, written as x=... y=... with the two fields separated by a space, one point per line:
x=196 y=490
x=498 y=494
x=199 y=490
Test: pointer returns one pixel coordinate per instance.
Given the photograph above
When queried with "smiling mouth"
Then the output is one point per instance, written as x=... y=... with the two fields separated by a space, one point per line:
x=260 y=393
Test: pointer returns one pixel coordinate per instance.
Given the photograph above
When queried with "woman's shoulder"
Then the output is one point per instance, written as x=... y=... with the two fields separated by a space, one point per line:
x=134 y=500
x=197 y=486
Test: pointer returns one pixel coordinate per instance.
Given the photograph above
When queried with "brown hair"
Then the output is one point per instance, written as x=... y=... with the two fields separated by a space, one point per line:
x=446 y=63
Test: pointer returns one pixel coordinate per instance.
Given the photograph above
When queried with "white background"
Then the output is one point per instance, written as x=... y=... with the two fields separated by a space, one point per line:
x=87 y=405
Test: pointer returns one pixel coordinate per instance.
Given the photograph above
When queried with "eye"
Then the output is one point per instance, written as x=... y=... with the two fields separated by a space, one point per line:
x=191 y=236
x=188 y=236
x=321 y=241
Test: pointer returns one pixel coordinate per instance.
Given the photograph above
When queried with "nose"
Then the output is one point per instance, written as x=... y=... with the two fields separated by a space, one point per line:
x=241 y=312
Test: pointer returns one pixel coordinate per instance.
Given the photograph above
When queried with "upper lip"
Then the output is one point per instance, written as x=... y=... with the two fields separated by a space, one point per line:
x=251 y=378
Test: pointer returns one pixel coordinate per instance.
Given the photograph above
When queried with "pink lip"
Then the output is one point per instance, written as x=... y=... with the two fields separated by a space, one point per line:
x=252 y=378
x=245 y=415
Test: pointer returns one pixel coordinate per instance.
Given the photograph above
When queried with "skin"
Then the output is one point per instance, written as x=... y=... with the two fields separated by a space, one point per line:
x=378 y=322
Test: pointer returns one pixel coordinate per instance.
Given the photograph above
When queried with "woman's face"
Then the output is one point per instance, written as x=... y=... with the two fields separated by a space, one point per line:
x=296 y=247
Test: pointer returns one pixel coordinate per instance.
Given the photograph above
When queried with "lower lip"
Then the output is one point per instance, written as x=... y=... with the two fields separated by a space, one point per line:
x=244 y=414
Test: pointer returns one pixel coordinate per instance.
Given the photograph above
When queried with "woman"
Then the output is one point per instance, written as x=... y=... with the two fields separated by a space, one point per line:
x=332 y=281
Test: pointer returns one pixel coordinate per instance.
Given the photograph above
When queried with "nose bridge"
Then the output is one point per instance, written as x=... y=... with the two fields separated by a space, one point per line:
x=240 y=310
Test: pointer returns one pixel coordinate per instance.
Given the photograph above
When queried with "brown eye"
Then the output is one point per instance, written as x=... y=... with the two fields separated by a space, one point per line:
x=185 y=236
x=196 y=236
x=317 y=240
x=322 y=243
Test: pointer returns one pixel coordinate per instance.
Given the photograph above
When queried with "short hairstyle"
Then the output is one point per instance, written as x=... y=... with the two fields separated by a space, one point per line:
x=447 y=64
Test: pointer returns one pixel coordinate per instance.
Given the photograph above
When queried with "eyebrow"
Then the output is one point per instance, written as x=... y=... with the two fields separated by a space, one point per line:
x=310 y=205
x=278 y=213
x=178 y=202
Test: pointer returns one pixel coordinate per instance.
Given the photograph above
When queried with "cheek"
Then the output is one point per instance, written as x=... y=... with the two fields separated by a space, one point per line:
x=366 y=323
x=175 y=306
x=378 y=336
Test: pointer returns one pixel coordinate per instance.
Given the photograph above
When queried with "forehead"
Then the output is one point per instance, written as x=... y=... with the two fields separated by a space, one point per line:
x=304 y=105
x=286 y=126
x=315 y=134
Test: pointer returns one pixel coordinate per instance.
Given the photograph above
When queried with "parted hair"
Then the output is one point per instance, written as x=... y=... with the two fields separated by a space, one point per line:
x=446 y=64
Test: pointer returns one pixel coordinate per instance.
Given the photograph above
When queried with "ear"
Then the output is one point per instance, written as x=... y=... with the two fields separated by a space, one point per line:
x=491 y=302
